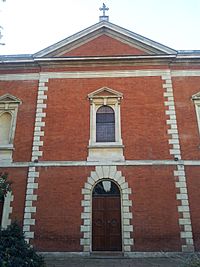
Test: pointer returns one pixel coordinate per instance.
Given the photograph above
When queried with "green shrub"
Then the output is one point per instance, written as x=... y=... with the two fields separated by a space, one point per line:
x=192 y=261
x=14 y=250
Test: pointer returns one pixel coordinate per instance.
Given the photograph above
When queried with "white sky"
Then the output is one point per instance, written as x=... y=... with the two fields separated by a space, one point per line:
x=31 y=25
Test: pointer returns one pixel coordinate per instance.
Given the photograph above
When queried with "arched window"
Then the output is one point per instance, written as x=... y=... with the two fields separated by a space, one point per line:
x=5 y=124
x=105 y=124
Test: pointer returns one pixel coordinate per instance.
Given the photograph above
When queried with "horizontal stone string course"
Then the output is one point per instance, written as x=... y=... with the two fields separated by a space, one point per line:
x=33 y=174
x=184 y=220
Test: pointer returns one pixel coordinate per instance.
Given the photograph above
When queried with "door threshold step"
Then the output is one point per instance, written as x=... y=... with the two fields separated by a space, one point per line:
x=106 y=254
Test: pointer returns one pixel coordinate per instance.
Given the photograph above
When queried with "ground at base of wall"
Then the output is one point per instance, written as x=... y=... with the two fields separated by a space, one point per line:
x=176 y=261
x=111 y=262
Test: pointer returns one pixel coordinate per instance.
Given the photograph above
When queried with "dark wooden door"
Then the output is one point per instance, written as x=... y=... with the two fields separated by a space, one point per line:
x=106 y=223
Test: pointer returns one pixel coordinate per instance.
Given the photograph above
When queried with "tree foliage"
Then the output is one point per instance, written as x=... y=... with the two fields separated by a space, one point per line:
x=14 y=250
x=5 y=185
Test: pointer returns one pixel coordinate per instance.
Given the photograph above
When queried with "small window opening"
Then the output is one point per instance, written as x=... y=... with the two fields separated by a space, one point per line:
x=105 y=124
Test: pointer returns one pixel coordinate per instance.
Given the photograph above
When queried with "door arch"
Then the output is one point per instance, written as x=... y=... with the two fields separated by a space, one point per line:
x=106 y=217
x=98 y=174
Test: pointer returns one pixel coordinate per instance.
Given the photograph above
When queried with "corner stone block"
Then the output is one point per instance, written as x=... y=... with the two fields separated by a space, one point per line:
x=188 y=228
x=30 y=209
x=177 y=173
x=128 y=241
x=186 y=234
x=26 y=228
x=184 y=202
x=181 y=196
x=29 y=234
x=29 y=221
x=32 y=186
x=128 y=228
x=185 y=221
x=127 y=248
x=126 y=221
x=187 y=248
x=125 y=208
x=186 y=215
x=85 y=228
x=189 y=241
x=28 y=203
x=128 y=215
x=183 y=208
x=27 y=215
x=33 y=174
x=31 y=169
x=127 y=235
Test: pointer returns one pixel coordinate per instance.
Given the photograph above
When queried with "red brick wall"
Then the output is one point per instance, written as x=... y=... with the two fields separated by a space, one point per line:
x=58 y=217
x=18 y=177
x=155 y=215
x=142 y=116
x=104 y=46
x=184 y=88
x=26 y=91
x=193 y=181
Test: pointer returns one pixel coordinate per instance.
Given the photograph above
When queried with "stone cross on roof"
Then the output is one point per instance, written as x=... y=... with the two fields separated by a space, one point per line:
x=104 y=9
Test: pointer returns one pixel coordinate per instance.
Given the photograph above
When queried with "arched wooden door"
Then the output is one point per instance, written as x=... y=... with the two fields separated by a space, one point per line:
x=106 y=217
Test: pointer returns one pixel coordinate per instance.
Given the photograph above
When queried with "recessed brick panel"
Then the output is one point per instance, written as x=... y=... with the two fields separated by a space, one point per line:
x=104 y=46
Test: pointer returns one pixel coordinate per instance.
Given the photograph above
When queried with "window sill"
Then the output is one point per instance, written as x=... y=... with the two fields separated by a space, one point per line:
x=105 y=152
x=6 y=152
x=106 y=145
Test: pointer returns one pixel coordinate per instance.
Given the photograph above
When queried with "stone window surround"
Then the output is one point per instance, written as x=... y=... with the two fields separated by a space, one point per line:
x=9 y=104
x=7 y=210
x=112 y=99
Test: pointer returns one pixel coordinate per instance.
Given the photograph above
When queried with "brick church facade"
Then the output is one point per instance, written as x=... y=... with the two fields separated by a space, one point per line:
x=99 y=134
